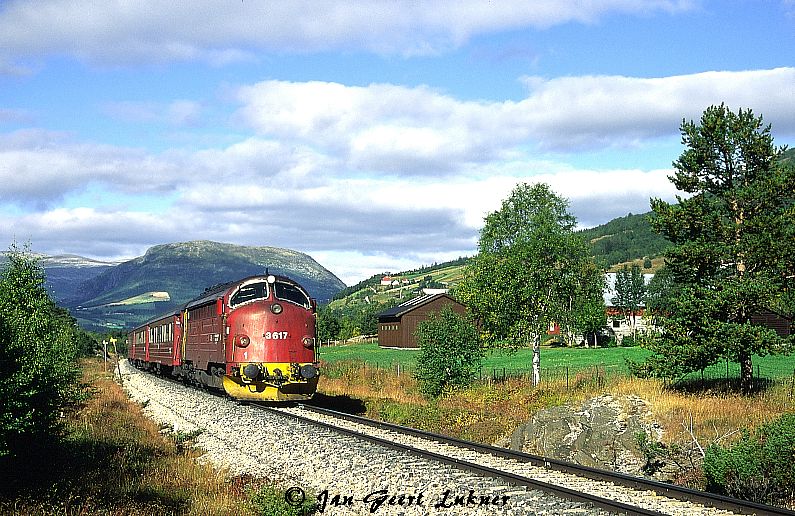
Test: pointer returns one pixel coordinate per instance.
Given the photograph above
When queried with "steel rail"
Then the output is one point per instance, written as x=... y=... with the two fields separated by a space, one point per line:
x=664 y=489
x=478 y=469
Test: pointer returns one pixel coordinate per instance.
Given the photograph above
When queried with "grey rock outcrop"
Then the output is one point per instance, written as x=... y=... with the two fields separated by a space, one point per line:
x=601 y=433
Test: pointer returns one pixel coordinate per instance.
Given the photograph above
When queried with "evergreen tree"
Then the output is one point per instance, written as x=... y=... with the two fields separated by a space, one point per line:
x=732 y=248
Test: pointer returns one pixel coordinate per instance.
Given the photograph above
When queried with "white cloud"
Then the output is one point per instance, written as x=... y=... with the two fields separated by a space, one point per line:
x=221 y=31
x=40 y=166
x=381 y=127
x=90 y=232
x=420 y=131
x=600 y=110
x=399 y=176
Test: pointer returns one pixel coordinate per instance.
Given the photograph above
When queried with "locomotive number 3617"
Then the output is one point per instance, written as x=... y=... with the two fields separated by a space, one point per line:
x=275 y=335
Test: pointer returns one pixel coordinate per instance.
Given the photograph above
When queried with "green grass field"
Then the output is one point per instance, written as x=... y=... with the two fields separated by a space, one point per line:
x=551 y=357
x=556 y=360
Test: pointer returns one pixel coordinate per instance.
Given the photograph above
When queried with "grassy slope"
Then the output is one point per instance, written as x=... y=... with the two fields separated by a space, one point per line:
x=447 y=275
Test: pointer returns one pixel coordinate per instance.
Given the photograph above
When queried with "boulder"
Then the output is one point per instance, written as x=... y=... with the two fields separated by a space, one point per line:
x=602 y=433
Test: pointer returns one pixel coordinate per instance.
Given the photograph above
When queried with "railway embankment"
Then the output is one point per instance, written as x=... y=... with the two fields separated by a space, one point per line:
x=353 y=465
x=344 y=474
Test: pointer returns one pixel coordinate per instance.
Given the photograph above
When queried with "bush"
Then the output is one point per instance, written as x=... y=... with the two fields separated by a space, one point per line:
x=38 y=356
x=271 y=501
x=760 y=467
x=450 y=352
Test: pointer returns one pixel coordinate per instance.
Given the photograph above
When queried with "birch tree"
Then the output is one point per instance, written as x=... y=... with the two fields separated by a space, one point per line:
x=630 y=291
x=531 y=271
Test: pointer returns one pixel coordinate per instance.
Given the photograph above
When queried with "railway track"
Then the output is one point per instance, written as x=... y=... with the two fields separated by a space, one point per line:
x=345 y=474
x=614 y=492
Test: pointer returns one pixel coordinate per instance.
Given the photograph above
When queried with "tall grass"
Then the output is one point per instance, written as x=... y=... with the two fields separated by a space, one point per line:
x=486 y=412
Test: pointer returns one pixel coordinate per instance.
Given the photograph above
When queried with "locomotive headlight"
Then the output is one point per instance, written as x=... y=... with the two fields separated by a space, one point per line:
x=276 y=308
x=309 y=342
x=308 y=371
x=251 y=371
x=242 y=341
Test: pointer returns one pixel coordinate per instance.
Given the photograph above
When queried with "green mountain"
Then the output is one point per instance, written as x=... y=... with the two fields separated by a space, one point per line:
x=631 y=238
x=624 y=239
x=171 y=274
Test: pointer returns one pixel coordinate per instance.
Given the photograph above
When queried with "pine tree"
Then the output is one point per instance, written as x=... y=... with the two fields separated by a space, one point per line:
x=732 y=247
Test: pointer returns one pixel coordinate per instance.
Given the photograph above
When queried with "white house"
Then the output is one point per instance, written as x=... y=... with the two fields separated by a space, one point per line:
x=617 y=322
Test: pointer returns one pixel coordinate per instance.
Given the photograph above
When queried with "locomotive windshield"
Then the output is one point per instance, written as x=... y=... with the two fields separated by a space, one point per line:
x=288 y=292
x=250 y=292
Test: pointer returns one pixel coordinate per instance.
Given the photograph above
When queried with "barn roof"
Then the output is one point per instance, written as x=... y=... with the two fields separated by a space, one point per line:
x=396 y=312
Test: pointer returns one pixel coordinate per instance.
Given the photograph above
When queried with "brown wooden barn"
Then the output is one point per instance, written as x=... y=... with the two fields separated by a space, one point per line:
x=396 y=326
x=781 y=324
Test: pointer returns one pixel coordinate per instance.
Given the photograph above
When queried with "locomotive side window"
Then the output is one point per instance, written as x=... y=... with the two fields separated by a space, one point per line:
x=288 y=292
x=250 y=292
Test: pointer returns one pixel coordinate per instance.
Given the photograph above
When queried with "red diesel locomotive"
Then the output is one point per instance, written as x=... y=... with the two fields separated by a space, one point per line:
x=254 y=338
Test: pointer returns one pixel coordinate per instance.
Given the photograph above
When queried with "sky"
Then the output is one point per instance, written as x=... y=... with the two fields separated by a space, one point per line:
x=374 y=136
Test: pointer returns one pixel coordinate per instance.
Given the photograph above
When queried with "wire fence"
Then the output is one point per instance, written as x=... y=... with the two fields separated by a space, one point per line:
x=598 y=375
x=724 y=376
x=353 y=340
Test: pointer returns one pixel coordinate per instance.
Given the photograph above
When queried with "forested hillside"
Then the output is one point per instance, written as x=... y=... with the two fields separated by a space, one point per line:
x=624 y=239
x=631 y=237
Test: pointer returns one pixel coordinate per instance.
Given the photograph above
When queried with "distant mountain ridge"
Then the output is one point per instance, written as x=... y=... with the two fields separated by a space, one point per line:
x=65 y=271
x=94 y=291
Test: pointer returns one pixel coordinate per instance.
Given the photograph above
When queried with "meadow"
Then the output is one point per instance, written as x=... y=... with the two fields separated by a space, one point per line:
x=555 y=361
